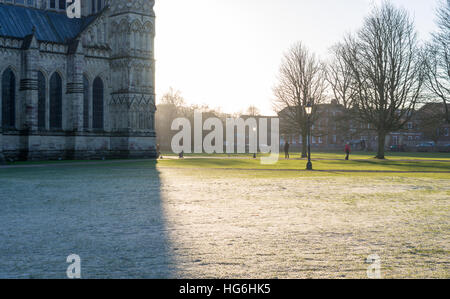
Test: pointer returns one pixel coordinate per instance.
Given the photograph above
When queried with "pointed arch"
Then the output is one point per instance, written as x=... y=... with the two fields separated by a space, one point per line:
x=55 y=101
x=42 y=97
x=62 y=4
x=86 y=102
x=149 y=36
x=97 y=104
x=8 y=99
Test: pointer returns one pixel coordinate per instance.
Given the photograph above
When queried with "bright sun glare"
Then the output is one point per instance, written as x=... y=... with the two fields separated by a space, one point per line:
x=226 y=53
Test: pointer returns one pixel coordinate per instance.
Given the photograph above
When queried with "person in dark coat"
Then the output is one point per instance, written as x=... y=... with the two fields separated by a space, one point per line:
x=363 y=144
x=347 y=151
x=158 y=152
x=286 y=150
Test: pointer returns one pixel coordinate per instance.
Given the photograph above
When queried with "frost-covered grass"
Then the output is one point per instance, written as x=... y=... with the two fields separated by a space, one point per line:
x=237 y=224
x=193 y=219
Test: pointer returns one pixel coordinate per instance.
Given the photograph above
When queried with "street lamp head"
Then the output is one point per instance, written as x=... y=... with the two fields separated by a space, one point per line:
x=308 y=109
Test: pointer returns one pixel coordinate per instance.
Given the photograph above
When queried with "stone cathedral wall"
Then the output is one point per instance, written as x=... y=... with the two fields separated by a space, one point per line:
x=129 y=100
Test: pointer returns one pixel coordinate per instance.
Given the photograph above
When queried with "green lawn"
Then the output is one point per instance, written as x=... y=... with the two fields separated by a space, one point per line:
x=324 y=165
x=389 y=155
x=238 y=217
x=337 y=155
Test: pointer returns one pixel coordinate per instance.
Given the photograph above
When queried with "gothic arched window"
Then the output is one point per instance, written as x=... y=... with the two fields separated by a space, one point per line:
x=62 y=4
x=8 y=99
x=99 y=5
x=41 y=101
x=97 y=104
x=93 y=6
x=55 y=101
x=86 y=103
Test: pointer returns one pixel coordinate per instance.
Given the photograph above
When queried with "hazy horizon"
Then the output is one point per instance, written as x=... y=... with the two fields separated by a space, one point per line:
x=226 y=53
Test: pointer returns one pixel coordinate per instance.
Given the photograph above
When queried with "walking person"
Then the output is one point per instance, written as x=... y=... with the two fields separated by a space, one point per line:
x=286 y=150
x=347 y=151
x=158 y=152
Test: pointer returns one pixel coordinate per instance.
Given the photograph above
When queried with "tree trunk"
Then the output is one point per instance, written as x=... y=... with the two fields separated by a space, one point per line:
x=447 y=116
x=304 y=145
x=381 y=142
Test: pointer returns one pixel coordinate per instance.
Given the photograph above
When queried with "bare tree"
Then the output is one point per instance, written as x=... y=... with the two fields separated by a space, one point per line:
x=172 y=105
x=253 y=111
x=438 y=59
x=387 y=70
x=173 y=98
x=339 y=78
x=301 y=82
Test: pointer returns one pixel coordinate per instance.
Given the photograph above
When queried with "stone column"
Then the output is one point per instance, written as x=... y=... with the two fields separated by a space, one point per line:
x=29 y=142
x=75 y=88
x=2 y=157
x=29 y=82
x=75 y=142
x=132 y=98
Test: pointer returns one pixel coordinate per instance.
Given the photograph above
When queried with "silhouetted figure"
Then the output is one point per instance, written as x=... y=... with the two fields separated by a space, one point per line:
x=158 y=152
x=286 y=150
x=347 y=151
x=363 y=144
x=181 y=155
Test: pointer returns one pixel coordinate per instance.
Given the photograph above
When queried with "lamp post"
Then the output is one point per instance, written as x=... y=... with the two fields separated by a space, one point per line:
x=254 y=154
x=308 y=110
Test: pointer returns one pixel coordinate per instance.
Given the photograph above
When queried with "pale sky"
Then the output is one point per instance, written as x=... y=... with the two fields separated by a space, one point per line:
x=226 y=53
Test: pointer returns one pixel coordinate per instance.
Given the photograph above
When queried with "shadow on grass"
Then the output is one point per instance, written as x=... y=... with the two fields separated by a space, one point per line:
x=358 y=165
x=412 y=166
x=111 y=215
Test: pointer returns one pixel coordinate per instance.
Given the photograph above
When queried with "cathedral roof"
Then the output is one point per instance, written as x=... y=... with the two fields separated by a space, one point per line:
x=18 y=22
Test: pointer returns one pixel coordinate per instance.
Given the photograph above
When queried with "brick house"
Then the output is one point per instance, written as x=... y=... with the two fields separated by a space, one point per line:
x=331 y=130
